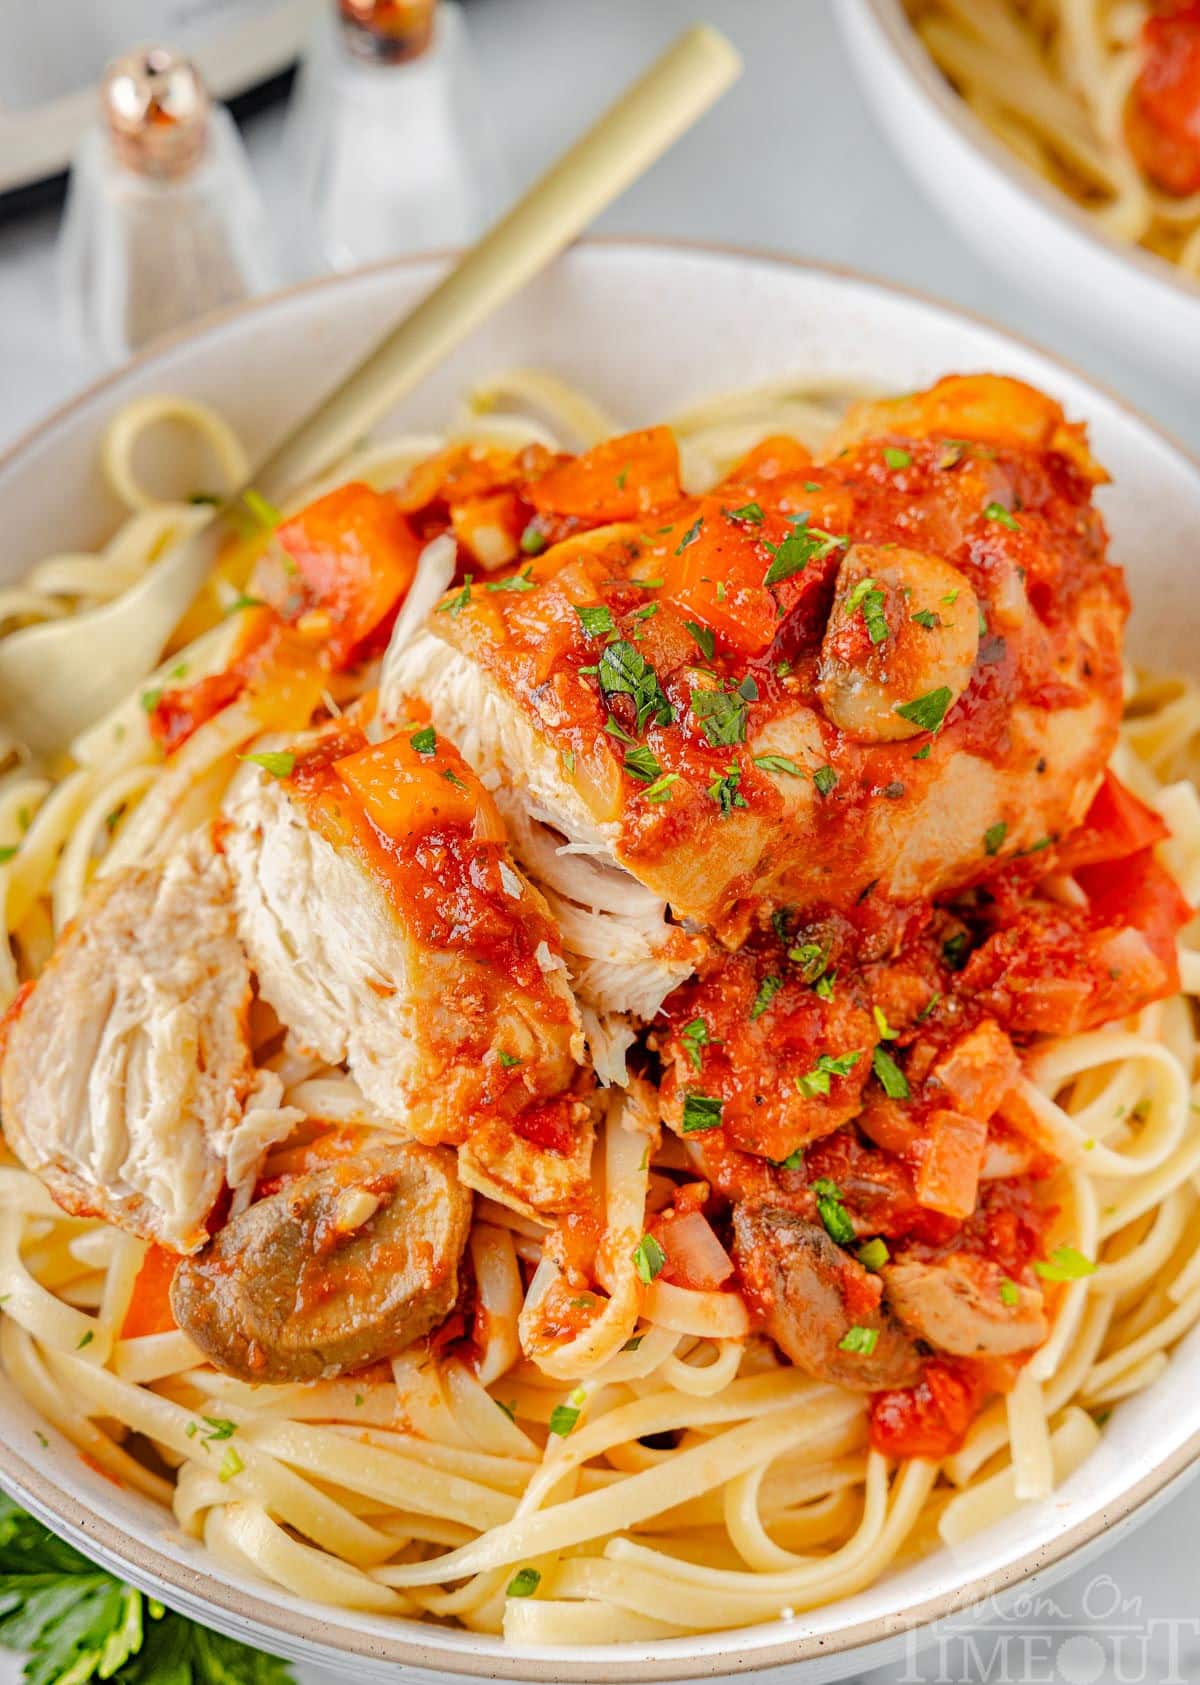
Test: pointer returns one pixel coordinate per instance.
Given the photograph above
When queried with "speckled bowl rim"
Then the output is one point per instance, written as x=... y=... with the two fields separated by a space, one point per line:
x=206 y=1595
x=928 y=81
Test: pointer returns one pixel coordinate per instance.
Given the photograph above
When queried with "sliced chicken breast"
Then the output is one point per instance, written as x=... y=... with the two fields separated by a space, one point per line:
x=390 y=930
x=127 y=1084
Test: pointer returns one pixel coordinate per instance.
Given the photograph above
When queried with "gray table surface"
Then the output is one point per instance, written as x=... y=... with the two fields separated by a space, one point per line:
x=792 y=161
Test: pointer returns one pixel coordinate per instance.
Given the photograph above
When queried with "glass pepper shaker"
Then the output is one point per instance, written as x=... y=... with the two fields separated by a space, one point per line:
x=388 y=134
x=162 y=222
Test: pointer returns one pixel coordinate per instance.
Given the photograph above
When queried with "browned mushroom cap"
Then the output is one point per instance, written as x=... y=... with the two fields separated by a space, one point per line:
x=341 y=1268
x=804 y=1286
x=965 y=1304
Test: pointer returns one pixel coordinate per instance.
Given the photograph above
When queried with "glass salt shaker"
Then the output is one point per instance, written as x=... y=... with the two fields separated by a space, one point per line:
x=162 y=222
x=389 y=136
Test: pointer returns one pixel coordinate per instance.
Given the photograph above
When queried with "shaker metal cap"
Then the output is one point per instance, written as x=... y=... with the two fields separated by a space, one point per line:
x=156 y=108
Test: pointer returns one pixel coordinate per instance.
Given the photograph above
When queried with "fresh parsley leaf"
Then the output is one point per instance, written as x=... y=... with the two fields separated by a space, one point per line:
x=452 y=777
x=767 y=990
x=927 y=618
x=997 y=512
x=694 y=1035
x=778 y=763
x=896 y=458
x=703 y=637
x=424 y=741
x=691 y=535
x=859 y=1340
x=817 y=1080
x=453 y=606
x=508 y=1061
x=614 y=728
x=278 y=762
x=700 y=1112
x=812 y=959
x=596 y=619
x=9 y=850
x=923 y=753
x=624 y=671
x=562 y=1419
x=993 y=837
x=649 y=1259
x=150 y=699
x=523 y=1583
x=1009 y=1294
x=927 y=1008
x=831 y=1211
x=533 y=539
x=873 y=1254
x=660 y=790
x=895 y=1083
x=722 y=715
x=1064 y=1264
x=641 y=763
x=726 y=790
x=954 y=950
x=750 y=514
x=869 y=600
x=522 y=581
x=824 y=778
x=794 y=1160
x=927 y=711
x=803 y=545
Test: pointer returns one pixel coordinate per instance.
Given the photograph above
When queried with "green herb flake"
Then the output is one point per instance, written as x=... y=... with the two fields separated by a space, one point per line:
x=726 y=790
x=801 y=546
x=85 y=1340
x=649 y=1259
x=624 y=671
x=264 y=513
x=825 y=778
x=533 y=540
x=868 y=599
x=641 y=763
x=778 y=763
x=750 y=514
x=1009 y=1294
x=150 y=699
x=231 y=1464
x=923 y=753
x=453 y=606
x=1064 y=1264
x=997 y=512
x=562 y=1419
x=278 y=762
x=10 y=849
x=660 y=790
x=595 y=618
x=722 y=715
x=896 y=458
x=873 y=1254
x=858 y=1340
x=614 y=728
x=831 y=1211
x=993 y=837
x=794 y=1160
x=220 y=1427
x=955 y=950
x=886 y=1031
x=523 y=1583
x=508 y=1061
x=452 y=777
x=817 y=1081
x=701 y=1112
x=927 y=711
x=691 y=535
x=703 y=637
x=424 y=741
x=522 y=581
x=927 y=618
x=895 y=1083
x=694 y=1035
x=767 y=990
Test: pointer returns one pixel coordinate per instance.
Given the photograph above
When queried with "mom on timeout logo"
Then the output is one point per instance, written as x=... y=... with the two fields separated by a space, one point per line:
x=1105 y=1638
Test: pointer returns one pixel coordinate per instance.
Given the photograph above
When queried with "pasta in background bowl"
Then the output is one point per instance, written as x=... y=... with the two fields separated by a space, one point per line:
x=837 y=333
x=1034 y=169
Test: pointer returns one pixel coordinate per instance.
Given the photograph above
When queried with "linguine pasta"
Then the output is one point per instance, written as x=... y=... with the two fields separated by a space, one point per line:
x=662 y=1472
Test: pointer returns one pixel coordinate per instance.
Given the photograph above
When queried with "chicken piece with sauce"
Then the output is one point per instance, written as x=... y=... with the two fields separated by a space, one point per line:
x=821 y=679
x=127 y=1083
x=389 y=929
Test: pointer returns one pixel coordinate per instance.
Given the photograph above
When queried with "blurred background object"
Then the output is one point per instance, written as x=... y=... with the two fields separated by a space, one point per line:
x=50 y=67
x=162 y=222
x=389 y=135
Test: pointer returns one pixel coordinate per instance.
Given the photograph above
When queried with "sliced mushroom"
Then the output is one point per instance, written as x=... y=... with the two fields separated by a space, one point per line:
x=965 y=1304
x=341 y=1268
x=904 y=626
x=811 y=1294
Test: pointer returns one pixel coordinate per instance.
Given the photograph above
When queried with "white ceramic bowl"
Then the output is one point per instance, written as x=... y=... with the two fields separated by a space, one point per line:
x=645 y=328
x=1020 y=224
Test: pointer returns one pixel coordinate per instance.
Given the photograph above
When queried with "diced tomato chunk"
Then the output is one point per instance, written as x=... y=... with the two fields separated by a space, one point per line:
x=932 y=1418
x=1163 y=115
x=948 y=1177
x=150 y=1303
x=777 y=455
x=1140 y=893
x=714 y=572
x=1117 y=824
x=614 y=481
x=357 y=555
x=407 y=791
x=551 y=1126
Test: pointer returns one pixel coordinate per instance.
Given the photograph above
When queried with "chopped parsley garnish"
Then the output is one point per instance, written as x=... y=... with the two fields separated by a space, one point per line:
x=869 y=600
x=660 y=791
x=533 y=539
x=508 y=1061
x=220 y=1427
x=614 y=728
x=950 y=598
x=150 y=699
x=750 y=513
x=726 y=792
x=993 y=837
x=700 y=1112
x=800 y=547
x=831 y=1211
x=231 y=1464
x=812 y=959
x=1009 y=1294
x=642 y=763
x=722 y=715
x=10 y=849
x=928 y=1007
x=624 y=671
x=694 y=1035
x=954 y=950
x=562 y=1419
x=621 y=479
x=1064 y=1264
x=646 y=613
x=452 y=777
x=522 y=581
x=767 y=990
x=895 y=1083
x=927 y=618
x=703 y=637
x=794 y=1160
x=824 y=778
x=873 y=1254
x=649 y=1259
x=595 y=619
x=633 y=1342
x=453 y=606
x=817 y=1080
x=923 y=753
x=84 y=1340
x=424 y=741
x=896 y=458
x=523 y=1583
x=778 y=763
x=886 y=1031
x=691 y=535
x=278 y=762
x=649 y=584
x=241 y=602
x=997 y=512
x=264 y=513
x=824 y=985
x=859 y=1340
x=927 y=711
